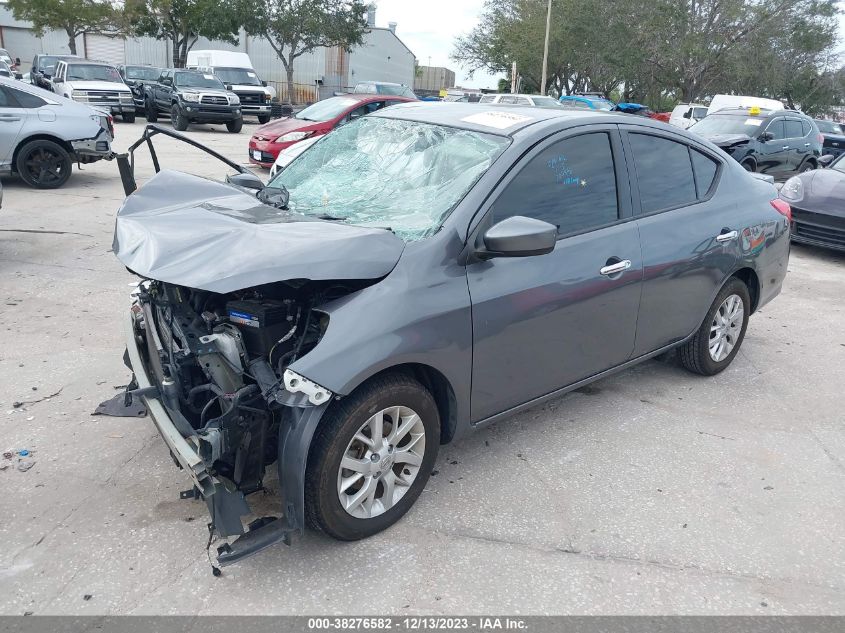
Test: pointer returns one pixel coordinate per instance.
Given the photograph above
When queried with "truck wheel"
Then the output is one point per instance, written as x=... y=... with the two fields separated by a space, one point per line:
x=43 y=164
x=263 y=118
x=128 y=117
x=179 y=120
x=150 y=111
x=235 y=126
x=371 y=457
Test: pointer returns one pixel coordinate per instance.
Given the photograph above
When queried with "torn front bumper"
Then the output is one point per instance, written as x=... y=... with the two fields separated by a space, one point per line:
x=305 y=402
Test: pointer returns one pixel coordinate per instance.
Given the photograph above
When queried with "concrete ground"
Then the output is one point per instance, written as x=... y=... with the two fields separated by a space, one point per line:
x=652 y=492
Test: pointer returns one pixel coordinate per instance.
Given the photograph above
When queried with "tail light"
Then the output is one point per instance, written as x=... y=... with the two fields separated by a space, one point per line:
x=110 y=119
x=783 y=208
x=820 y=138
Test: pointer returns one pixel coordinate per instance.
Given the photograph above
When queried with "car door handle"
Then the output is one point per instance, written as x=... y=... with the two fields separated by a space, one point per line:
x=9 y=117
x=806 y=145
x=786 y=147
x=726 y=236
x=618 y=267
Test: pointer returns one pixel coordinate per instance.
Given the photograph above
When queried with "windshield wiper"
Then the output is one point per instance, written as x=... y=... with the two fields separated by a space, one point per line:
x=326 y=216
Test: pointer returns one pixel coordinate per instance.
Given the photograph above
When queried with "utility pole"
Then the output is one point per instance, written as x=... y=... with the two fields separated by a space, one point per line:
x=546 y=48
x=513 y=78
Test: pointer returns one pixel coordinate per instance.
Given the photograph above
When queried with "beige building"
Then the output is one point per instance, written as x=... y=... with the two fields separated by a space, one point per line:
x=433 y=78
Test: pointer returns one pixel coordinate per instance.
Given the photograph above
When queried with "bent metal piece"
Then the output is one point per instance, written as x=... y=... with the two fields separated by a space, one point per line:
x=126 y=160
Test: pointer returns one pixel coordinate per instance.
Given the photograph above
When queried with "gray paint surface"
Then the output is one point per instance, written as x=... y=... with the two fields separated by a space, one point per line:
x=577 y=506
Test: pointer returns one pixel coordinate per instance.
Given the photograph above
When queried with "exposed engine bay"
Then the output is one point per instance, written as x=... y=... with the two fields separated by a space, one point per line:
x=222 y=361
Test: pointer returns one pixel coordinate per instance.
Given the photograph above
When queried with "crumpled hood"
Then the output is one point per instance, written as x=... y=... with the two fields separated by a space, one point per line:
x=824 y=191
x=186 y=230
x=725 y=140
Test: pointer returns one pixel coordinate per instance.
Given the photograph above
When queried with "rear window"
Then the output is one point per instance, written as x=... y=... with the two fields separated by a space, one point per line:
x=829 y=127
x=664 y=172
x=705 y=169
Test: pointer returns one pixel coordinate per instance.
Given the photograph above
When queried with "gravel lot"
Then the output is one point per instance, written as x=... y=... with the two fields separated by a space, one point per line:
x=651 y=492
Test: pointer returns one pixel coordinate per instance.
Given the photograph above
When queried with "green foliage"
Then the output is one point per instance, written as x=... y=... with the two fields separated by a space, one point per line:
x=182 y=22
x=660 y=52
x=74 y=17
x=296 y=27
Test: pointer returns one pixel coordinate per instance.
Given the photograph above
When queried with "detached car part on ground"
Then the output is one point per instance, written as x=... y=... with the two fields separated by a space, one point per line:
x=43 y=134
x=817 y=199
x=403 y=282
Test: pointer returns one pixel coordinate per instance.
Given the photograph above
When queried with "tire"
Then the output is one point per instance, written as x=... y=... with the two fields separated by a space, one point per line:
x=696 y=354
x=263 y=118
x=178 y=119
x=43 y=164
x=807 y=165
x=128 y=117
x=748 y=165
x=150 y=111
x=337 y=436
x=235 y=126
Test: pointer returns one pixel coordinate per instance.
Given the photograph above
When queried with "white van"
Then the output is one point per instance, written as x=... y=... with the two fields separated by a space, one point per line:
x=235 y=69
x=720 y=102
x=685 y=114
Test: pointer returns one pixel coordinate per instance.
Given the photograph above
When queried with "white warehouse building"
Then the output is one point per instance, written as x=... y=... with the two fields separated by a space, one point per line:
x=381 y=57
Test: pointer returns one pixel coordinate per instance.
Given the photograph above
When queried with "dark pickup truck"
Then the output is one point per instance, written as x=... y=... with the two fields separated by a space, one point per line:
x=190 y=96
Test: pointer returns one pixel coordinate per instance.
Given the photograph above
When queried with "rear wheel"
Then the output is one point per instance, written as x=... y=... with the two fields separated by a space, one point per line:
x=371 y=457
x=717 y=341
x=235 y=126
x=807 y=165
x=748 y=165
x=129 y=117
x=150 y=111
x=178 y=119
x=43 y=164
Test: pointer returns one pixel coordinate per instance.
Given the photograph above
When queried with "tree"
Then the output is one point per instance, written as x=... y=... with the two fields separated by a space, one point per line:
x=296 y=27
x=182 y=22
x=74 y=17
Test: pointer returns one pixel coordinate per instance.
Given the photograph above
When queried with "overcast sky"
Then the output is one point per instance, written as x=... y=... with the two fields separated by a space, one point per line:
x=429 y=28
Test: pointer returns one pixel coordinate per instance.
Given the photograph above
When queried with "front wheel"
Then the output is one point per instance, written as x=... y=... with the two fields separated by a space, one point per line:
x=371 y=457
x=43 y=164
x=717 y=341
x=128 y=117
x=151 y=113
x=178 y=119
x=263 y=118
x=235 y=126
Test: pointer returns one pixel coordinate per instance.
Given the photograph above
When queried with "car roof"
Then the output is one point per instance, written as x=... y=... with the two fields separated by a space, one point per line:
x=366 y=97
x=456 y=114
x=380 y=83
x=88 y=62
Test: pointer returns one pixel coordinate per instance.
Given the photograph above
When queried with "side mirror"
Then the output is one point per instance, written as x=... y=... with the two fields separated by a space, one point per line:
x=766 y=136
x=57 y=80
x=825 y=160
x=264 y=83
x=518 y=236
x=688 y=114
x=247 y=181
x=18 y=75
x=228 y=86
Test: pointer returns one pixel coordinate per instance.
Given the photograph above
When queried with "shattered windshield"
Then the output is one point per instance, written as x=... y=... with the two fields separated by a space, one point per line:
x=402 y=175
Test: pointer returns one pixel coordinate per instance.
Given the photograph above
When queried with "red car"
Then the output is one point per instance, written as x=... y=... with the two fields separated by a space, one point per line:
x=315 y=120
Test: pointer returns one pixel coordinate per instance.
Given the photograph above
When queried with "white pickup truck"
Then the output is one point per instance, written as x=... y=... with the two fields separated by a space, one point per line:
x=95 y=84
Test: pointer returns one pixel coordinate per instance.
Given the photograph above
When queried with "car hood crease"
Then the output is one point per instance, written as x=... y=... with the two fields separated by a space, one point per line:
x=186 y=230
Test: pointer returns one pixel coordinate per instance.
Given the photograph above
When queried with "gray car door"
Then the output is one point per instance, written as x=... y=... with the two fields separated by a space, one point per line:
x=11 y=121
x=688 y=233
x=544 y=322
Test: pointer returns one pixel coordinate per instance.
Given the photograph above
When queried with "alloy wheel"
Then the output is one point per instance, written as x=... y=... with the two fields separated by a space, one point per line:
x=45 y=166
x=726 y=327
x=381 y=462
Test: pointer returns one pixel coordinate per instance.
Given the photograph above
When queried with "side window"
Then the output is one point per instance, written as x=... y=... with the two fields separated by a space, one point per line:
x=805 y=128
x=775 y=128
x=487 y=99
x=507 y=100
x=571 y=184
x=664 y=172
x=699 y=113
x=705 y=169
x=521 y=101
x=26 y=100
x=6 y=99
x=793 y=129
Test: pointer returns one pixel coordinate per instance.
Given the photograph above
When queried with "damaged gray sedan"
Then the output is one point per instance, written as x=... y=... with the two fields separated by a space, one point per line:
x=417 y=274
